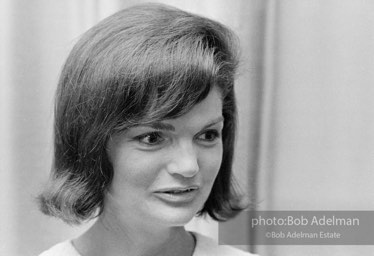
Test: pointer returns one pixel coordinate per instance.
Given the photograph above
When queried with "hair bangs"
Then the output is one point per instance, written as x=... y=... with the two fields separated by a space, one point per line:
x=173 y=79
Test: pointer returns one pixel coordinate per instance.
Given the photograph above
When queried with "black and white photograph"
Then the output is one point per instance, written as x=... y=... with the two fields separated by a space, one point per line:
x=186 y=128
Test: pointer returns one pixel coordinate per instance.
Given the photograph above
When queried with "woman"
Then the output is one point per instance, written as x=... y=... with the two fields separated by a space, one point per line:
x=144 y=135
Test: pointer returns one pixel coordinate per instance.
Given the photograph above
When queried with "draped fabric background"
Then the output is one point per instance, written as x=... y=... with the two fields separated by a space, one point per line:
x=306 y=108
x=317 y=129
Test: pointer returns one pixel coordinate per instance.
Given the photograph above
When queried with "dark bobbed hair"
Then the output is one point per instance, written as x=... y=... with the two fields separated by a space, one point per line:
x=142 y=64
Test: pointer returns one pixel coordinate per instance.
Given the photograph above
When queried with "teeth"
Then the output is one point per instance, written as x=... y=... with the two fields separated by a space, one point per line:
x=179 y=191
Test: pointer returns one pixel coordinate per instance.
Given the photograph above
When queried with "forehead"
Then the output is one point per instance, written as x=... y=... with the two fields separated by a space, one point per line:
x=209 y=110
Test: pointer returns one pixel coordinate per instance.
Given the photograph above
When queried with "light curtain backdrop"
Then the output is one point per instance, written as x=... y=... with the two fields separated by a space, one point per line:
x=306 y=108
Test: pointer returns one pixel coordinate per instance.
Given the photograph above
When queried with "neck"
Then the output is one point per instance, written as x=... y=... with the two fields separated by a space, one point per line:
x=112 y=238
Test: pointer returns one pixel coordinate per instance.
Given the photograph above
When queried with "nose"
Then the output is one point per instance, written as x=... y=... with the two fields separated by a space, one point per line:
x=184 y=161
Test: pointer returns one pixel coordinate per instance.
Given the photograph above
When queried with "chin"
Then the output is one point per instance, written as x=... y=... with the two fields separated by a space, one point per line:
x=171 y=211
x=174 y=217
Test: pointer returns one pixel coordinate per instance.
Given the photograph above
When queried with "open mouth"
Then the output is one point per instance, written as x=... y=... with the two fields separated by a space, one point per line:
x=179 y=191
x=178 y=195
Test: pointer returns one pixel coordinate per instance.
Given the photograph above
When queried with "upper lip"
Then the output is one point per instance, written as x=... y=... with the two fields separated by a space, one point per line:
x=193 y=187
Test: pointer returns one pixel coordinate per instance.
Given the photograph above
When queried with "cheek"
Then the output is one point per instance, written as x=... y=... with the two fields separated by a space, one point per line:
x=211 y=164
x=134 y=171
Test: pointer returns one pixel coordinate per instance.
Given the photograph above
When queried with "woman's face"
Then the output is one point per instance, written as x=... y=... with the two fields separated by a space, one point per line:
x=164 y=172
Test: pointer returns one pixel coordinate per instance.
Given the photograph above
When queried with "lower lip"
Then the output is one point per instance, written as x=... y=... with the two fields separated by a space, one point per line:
x=181 y=198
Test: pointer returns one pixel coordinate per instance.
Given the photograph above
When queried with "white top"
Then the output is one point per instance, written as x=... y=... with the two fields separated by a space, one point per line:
x=205 y=246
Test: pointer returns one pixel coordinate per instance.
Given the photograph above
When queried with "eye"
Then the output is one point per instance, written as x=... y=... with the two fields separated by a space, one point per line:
x=209 y=136
x=151 y=138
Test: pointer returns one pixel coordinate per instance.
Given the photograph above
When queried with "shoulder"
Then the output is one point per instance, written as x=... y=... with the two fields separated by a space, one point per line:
x=206 y=246
x=62 y=249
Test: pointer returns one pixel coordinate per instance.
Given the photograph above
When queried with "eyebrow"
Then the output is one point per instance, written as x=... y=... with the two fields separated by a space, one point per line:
x=214 y=121
x=160 y=126
x=169 y=127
